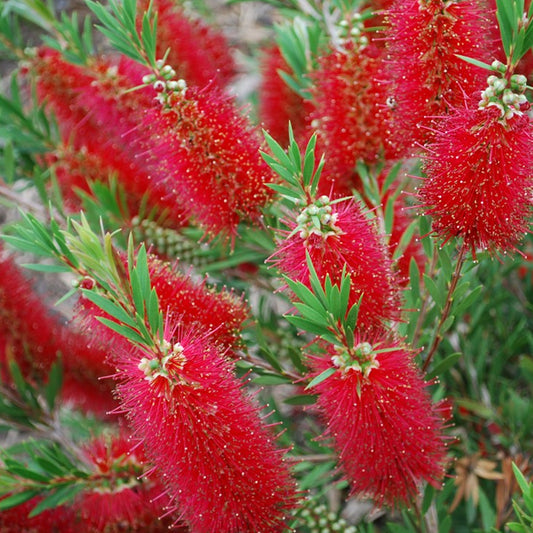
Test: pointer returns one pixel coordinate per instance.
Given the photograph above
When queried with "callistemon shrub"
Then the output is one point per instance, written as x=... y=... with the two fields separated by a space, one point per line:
x=206 y=438
x=253 y=335
x=378 y=411
x=344 y=238
x=479 y=169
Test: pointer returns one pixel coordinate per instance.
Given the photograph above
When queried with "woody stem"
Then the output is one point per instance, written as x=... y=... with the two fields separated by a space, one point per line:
x=447 y=307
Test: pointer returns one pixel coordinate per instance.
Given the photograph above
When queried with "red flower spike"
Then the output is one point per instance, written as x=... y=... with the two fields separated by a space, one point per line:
x=98 y=120
x=35 y=337
x=379 y=414
x=278 y=103
x=478 y=183
x=57 y=520
x=205 y=437
x=210 y=157
x=346 y=238
x=223 y=312
x=428 y=78
x=351 y=115
x=121 y=498
x=182 y=301
x=180 y=35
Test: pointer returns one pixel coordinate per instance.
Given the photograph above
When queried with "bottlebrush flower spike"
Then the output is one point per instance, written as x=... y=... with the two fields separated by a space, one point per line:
x=16 y=519
x=199 y=430
x=338 y=234
x=428 y=79
x=379 y=414
x=182 y=300
x=351 y=116
x=34 y=337
x=278 y=103
x=122 y=497
x=98 y=121
x=208 y=153
x=479 y=169
x=179 y=35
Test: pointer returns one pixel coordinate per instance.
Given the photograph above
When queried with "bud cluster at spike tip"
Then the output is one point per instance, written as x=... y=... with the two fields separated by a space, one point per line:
x=378 y=412
x=427 y=77
x=478 y=177
x=210 y=156
x=205 y=437
x=348 y=238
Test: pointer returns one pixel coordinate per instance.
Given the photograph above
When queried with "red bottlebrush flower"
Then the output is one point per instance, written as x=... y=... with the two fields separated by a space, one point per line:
x=278 y=103
x=183 y=301
x=379 y=414
x=428 y=78
x=209 y=158
x=219 y=462
x=28 y=331
x=56 y=520
x=98 y=120
x=345 y=238
x=351 y=114
x=180 y=35
x=189 y=303
x=122 y=497
x=34 y=337
x=479 y=171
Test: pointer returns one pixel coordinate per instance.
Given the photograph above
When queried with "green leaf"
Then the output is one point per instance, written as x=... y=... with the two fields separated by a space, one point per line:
x=301 y=399
x=521 y=480
x=307 y=325
x=278 y=152
x=319 y=475
x=271 y=379
x=309 y=160
x=18 y=498
x=311 y=314
x=55 y=382
x=40 y=267
x=130 y=334
x=467 y=302
x=504 y=14
x=438 y=297
x=112 y=309
x=475 y=62
x=429 y=494
x=321 y=377
x=56 y=498
x=304 y=294
x=447 y=363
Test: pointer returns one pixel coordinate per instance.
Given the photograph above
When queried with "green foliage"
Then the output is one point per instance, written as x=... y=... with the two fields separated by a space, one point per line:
x=43 y=468
x=524 y=514
x=300 y=177
x=118 y=24
x=516 y=28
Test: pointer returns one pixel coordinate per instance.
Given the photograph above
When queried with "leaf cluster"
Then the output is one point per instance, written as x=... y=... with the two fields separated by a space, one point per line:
x=119 y=25
x=516 y=28
x=43 y=468
x=25 y=405
x=524 y=514
x=300 y=177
